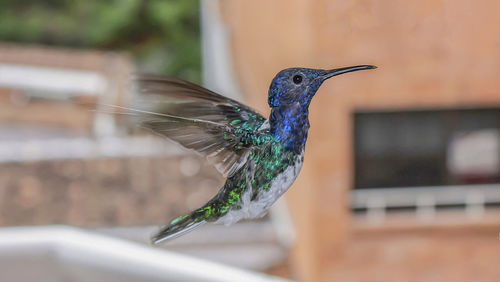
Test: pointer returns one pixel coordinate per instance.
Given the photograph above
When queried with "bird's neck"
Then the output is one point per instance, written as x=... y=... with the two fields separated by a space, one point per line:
x=289 y=125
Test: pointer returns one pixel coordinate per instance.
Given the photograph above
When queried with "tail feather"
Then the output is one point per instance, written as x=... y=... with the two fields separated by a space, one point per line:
x=177 y=227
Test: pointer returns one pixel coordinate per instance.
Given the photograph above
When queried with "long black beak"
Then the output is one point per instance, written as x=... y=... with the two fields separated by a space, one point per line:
x=334 y=72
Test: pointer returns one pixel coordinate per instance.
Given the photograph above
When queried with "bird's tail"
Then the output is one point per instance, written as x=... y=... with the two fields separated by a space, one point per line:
x=179 y=226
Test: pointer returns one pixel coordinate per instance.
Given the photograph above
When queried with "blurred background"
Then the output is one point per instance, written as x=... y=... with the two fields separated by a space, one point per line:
x=401 y=180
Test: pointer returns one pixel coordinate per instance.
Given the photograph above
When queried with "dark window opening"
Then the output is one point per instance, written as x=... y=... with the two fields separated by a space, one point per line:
x=427 y=148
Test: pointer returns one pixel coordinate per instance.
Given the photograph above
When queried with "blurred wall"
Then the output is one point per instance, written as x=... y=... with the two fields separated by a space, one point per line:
x=429 y=53
x=100 y=192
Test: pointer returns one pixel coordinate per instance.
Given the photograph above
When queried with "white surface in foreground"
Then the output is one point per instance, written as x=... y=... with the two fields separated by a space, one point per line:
x=67 y=254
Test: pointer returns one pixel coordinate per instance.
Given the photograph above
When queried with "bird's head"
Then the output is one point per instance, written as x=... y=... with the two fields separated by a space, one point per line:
x=298 y=85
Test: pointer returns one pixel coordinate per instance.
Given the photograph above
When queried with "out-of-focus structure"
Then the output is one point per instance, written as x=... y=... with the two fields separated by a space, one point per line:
x=402 y=167
x=63 y=162
x=36 y=82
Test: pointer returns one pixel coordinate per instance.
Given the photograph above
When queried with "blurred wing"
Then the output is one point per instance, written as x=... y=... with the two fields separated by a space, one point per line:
x=215 y=126
x=185 y=99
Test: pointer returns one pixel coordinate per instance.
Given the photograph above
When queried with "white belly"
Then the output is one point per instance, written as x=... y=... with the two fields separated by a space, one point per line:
x=259 y=206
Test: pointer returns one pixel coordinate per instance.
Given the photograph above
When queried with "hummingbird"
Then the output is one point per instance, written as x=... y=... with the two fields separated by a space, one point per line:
x=259 y=157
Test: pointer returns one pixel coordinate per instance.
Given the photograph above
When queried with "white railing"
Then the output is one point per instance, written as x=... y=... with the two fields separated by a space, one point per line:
x=426 y=200
x=51 y=80
x=85 y=148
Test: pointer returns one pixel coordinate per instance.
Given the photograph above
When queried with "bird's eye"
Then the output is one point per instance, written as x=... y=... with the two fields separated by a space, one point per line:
x=297 y=79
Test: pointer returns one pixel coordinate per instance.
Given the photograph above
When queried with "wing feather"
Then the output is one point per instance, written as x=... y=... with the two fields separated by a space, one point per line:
x=213 y=125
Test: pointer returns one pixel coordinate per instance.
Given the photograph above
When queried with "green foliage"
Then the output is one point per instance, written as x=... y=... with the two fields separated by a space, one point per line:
x=163 y=35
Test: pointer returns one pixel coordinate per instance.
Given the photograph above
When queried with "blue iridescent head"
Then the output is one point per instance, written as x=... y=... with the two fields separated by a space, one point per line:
x=298 y=85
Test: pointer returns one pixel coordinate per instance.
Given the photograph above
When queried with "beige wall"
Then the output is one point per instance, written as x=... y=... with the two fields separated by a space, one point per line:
x=429 y=53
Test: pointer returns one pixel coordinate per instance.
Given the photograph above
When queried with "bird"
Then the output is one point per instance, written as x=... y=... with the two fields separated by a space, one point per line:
x=259 y=157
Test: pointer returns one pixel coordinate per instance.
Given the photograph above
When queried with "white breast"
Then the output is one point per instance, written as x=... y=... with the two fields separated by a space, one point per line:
x=258 y=207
